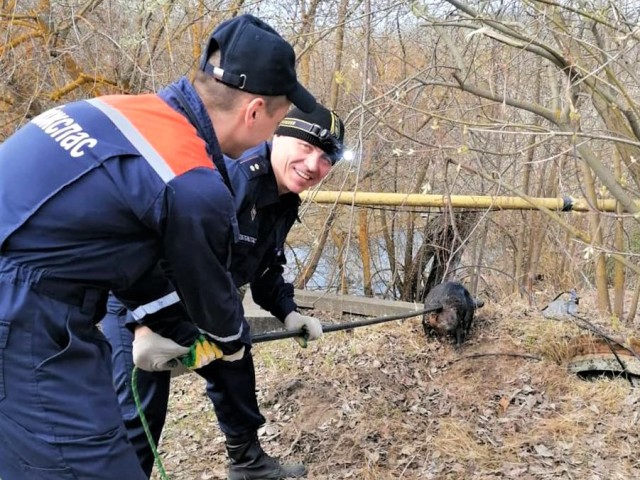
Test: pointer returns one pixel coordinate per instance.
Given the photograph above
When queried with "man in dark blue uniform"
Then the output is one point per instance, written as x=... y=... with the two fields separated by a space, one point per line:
x=266 y=181
x=93 y=195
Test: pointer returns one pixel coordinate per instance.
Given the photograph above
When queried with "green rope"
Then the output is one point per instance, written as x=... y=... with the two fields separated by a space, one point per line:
x=201 y=345
x=145 y=425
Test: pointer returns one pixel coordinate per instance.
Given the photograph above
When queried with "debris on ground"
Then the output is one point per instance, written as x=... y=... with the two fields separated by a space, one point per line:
x=386 y=402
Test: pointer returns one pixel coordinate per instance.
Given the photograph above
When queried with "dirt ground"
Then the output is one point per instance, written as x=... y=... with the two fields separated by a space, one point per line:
x=386 y=402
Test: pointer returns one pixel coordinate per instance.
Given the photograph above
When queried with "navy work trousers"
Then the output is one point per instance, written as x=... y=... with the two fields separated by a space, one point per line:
x=59 y=414
x=230 y=386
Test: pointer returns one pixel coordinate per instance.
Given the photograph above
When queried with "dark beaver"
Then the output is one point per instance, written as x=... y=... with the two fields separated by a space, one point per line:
x=455 y=311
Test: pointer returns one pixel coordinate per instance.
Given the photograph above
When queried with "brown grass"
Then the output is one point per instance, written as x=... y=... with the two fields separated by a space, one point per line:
x=386 y=402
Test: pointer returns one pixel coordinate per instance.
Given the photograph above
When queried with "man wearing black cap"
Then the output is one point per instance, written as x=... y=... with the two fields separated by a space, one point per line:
x=93 y=195
x=266 y=180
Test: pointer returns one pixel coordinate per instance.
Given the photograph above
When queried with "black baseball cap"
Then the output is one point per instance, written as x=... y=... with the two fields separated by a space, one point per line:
x=321 y=128
x=256 y=59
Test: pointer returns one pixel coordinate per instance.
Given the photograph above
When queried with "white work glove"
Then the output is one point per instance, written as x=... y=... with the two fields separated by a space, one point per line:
x=155 y=353
x=294 y=322
x=234 y=357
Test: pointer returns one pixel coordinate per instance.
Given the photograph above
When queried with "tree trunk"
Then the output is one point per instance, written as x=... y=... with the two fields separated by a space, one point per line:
x=339 y=270
x=365 y=251
x=339 y=46
x=619 y=270
x=388 y=234
x=308 y=23
x=312 y=264
x=595 y=231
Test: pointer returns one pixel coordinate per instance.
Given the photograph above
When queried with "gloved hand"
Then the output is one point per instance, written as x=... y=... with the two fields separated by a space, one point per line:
x=154 y=353
x=181 y=369
x=312 y=327
x=201 y=353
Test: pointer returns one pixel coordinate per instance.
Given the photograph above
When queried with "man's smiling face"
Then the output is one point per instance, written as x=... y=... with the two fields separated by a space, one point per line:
x=297 y=164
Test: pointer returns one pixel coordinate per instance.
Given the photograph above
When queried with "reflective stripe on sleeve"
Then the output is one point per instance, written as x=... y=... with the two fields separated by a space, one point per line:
x=155 y=306
x=164 y=137
x=150 y=154
x=229 y=338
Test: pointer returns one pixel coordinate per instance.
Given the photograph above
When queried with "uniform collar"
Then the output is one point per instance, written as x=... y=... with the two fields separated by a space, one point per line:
x=182 y=96
x=269 y=191
x=204 y=126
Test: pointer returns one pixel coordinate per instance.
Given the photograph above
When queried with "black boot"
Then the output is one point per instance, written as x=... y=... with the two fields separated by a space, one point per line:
x=249 y=462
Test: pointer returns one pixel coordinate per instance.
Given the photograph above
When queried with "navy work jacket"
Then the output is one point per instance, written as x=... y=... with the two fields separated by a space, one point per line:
x=264 y=220
x=95 y=193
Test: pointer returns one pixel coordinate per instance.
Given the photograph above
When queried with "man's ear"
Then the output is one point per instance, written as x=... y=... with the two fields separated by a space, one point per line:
x=254 y=109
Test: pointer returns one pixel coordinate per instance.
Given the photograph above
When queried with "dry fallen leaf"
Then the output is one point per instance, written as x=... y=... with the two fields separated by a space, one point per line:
x=504 y=403
x=417 y=414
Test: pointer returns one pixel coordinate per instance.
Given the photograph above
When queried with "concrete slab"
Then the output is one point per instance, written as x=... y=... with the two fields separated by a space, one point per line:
x=262 y=321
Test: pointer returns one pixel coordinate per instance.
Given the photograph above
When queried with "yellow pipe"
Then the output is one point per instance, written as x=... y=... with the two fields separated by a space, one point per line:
x=456 y=201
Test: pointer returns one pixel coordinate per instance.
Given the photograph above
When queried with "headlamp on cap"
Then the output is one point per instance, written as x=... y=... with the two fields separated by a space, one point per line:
x=328 y=142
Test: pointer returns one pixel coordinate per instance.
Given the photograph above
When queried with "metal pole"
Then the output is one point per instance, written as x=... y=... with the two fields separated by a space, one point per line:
x=270 y=336
x=458 y=201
